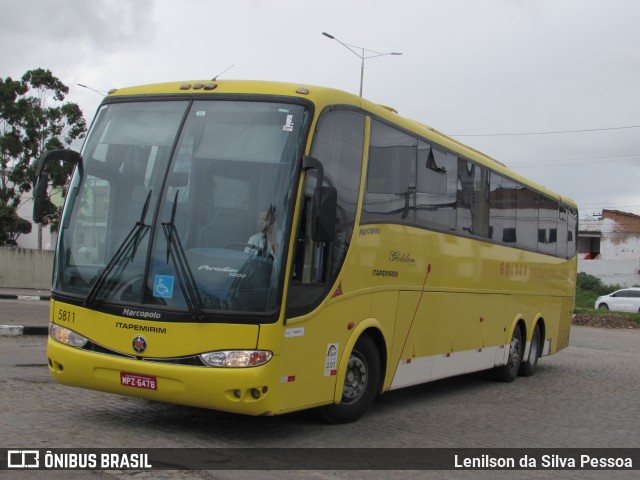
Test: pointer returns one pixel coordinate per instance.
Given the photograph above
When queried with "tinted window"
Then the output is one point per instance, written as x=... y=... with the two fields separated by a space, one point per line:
x=572 y=231
x=412 y=181
x=503 y=209
x=547 y=226
x=473 y=199
x=391 y=176
x=562 y=231
x=338 y=144
x=527 y=218
x=436 y=186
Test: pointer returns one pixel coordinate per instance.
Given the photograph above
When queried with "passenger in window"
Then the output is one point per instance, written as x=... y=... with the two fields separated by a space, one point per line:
x=264 y=243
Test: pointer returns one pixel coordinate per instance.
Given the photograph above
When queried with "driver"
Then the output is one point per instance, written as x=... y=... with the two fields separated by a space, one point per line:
x=264 y=243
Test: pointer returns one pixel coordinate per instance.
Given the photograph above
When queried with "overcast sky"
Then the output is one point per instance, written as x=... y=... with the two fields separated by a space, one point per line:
x=469 y=68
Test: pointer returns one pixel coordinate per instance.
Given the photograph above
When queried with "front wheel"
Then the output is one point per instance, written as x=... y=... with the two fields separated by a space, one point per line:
x=603 y=306
x=361 y=383
x=509 y=371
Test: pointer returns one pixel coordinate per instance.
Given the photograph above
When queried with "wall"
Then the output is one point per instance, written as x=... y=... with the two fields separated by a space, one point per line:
x=25 y=268
x=613 y=272
x=30 y=240
x=616 y=239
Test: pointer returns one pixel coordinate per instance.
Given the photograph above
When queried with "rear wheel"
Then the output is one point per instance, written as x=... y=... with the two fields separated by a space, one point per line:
x=509 y=371
x=361 y=383
x=530 y=365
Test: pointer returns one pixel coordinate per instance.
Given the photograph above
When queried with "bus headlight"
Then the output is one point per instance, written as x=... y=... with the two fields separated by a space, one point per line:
x=66 y=336
x=236 y=358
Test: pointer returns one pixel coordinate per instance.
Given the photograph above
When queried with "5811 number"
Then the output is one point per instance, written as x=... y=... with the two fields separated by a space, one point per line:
x=66 y=316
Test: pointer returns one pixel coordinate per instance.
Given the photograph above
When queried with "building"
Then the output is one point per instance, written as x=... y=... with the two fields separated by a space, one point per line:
x=609 y=247
x=25 y=210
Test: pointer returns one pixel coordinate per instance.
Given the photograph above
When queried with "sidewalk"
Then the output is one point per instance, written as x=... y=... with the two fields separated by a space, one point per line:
x=29 y=316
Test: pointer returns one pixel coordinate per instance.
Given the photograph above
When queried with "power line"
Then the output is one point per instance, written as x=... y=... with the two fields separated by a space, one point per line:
x=571 y=163
x=543 y=133
x=563 y=162
x=611 y=205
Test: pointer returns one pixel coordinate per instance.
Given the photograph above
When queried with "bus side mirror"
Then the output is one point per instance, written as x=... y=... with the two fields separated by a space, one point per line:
x=42 y=178
x=325 y=205
x=40 y=197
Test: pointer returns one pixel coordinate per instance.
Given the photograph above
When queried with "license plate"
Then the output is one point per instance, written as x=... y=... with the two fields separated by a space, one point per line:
x=138 y=381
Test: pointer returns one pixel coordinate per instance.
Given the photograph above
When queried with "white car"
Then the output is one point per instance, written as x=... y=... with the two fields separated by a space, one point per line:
x=625 y=300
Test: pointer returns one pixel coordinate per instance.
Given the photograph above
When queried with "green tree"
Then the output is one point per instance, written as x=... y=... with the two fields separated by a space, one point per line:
x=34 y=118
x=14 y=226
x=592 y=283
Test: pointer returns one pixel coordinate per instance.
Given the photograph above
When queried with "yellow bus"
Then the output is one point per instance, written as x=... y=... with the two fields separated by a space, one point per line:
x=262 y=248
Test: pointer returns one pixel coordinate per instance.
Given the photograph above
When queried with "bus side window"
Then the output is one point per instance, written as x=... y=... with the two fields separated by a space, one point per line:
x=562 y=231
x=473 y=199
x=390 y=193
x=436 y=187
x=338 y=144
x=527 y=218
x=572 y=232
x=502 y=217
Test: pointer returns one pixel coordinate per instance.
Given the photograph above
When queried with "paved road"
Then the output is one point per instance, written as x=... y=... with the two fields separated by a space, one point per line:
x=585 y=396
x=34 y=313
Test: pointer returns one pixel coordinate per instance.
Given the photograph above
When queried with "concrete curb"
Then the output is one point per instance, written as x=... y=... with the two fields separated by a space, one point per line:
x=10 y=296
x=16 y=330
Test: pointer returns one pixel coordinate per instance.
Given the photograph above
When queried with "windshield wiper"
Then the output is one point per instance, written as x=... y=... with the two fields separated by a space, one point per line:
x=183 y=270
x=132 y=239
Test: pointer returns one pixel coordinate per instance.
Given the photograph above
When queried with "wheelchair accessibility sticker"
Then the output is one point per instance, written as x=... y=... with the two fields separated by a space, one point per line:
x=163 y=286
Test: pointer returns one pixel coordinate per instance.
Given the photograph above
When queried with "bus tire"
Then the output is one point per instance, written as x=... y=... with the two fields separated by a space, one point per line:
x=361 y=383
x=530 y=365
x=509 y=371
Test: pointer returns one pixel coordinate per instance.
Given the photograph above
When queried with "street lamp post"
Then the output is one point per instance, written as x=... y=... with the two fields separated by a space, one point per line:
x=362 y=56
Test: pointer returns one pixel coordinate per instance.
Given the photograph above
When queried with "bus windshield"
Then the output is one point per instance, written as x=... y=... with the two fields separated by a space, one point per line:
x=182 y=205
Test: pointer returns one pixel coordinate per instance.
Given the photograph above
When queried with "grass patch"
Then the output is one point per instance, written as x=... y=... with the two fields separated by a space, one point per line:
x=586 y=299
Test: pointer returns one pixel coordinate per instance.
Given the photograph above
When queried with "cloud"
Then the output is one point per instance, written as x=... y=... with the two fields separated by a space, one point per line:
x=70 y=33
x=495 y=66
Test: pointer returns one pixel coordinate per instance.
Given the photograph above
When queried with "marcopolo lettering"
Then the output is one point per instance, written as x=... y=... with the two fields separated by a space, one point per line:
x=128 y=312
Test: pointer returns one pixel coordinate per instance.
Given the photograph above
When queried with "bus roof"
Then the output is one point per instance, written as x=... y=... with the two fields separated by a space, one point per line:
x=323 y=97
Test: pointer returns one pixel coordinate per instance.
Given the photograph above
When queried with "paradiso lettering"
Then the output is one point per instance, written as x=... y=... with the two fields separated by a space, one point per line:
x=232 y=272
